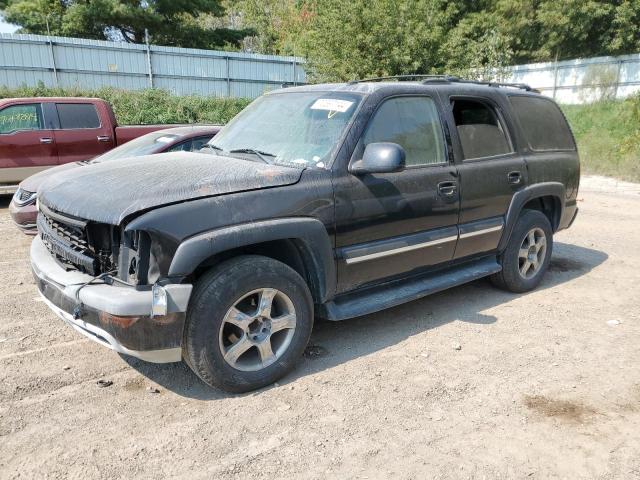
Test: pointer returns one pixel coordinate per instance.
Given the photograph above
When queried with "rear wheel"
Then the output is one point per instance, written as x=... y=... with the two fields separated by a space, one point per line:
x=248 y=323
x=527 y=256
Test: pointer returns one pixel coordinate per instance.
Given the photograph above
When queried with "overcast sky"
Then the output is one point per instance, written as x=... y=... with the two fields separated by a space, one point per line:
x=6 y=27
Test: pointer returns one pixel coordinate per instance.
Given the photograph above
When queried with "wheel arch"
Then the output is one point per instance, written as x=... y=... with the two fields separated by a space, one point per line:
x=546 y=197
x=301 y=243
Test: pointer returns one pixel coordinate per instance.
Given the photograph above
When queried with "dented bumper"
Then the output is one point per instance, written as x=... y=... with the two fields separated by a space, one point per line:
x=116 y=316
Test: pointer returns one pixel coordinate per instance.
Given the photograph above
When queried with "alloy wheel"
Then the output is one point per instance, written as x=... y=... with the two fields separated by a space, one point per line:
x=531 y=255
x=257 y=329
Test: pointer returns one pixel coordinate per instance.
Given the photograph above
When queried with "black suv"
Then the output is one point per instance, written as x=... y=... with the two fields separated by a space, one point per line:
x=327 y=200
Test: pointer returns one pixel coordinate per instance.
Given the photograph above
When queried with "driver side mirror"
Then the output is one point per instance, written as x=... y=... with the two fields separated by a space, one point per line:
x=382 y=157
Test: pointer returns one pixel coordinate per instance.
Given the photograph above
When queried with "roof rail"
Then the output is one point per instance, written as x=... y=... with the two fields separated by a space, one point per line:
x=444 y=78
x=522 y=86
x=405 y=77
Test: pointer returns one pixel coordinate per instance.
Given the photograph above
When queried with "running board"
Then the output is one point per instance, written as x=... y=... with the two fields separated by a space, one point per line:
x=396 y=293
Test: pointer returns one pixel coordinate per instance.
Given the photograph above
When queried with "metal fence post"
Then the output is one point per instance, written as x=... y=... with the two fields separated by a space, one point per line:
x=53 y=62
x=228 y=75
x=615 y=91
x=294 y=72
x=555 y=77
x=146 y=41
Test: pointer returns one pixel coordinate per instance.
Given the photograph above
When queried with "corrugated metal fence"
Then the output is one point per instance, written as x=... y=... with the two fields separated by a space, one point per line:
x=583 y=80
x=74 y=62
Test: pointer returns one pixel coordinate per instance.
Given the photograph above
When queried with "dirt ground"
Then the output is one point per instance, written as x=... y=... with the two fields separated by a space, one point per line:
x=545 y=385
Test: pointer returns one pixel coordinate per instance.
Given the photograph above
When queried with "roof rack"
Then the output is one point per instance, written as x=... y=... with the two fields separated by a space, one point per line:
x=522 y=86
x=405 y=77
x=443 y=78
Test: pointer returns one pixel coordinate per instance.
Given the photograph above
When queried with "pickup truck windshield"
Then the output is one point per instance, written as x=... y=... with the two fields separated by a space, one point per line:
x=295 y=129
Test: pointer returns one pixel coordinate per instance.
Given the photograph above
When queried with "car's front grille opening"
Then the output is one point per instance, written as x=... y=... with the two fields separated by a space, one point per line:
x=24 y=195
x=76 y=237
x=68 y=243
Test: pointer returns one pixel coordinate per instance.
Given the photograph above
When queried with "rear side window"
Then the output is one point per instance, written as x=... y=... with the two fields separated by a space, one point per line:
x=480 y=130
x=77 y=115
x=414 y=124
x=542 y=123
x=20 y=118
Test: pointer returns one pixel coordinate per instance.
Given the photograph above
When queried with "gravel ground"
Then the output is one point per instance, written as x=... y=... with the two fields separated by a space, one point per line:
x=545 y=385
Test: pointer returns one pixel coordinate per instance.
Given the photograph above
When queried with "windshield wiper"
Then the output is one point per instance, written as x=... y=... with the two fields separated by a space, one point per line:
x=212 y=147
x=258 y=153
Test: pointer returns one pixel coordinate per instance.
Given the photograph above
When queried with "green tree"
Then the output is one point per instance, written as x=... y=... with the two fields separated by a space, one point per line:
x=355 y=39
x=169 y=22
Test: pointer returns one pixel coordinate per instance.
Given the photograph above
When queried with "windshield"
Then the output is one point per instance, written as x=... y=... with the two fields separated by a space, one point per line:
x=293 y=128
x=143 y=145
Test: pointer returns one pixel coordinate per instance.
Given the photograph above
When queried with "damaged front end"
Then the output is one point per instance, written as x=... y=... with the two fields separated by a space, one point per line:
x=106 y=283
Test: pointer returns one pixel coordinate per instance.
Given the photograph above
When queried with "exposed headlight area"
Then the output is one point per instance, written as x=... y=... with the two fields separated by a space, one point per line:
x=144 y=259
x=23 y=197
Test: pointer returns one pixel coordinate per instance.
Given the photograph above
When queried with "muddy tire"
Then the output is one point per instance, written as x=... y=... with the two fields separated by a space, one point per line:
x=528 y=253
x=248 y=323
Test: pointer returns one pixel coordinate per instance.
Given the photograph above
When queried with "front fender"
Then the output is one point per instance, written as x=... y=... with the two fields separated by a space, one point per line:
x=310 y=232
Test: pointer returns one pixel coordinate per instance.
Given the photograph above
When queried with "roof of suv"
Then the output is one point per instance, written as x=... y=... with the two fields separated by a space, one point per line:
x=368 y=87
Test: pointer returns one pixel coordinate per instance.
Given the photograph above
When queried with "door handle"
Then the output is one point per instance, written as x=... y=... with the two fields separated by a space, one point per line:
x=103 y=138
x=46 y=140
x=448 y=189
x=514 y=178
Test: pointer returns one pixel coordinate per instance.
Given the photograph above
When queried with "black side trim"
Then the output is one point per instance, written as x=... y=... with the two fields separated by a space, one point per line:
x=521 y=197
x=316 y=245
x=391 y=294
x=479 y=225
x=399 y=243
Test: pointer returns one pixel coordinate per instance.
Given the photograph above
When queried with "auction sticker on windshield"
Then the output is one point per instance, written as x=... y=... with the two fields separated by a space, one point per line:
x=331 y=104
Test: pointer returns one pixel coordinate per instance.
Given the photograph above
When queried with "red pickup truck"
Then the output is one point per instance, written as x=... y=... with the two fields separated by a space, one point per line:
x=37 y=133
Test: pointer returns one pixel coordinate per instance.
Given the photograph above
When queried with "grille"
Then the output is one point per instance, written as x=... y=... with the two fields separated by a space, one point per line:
x=68 y=243
x=24 y=195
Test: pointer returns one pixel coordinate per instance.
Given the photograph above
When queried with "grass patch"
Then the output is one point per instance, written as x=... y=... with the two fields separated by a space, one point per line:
x=608 y=137
x=139 y=107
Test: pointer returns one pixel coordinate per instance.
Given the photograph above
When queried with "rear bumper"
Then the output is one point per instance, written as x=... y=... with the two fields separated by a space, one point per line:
x=24 y=217
x=118 y=317
x=569 y=215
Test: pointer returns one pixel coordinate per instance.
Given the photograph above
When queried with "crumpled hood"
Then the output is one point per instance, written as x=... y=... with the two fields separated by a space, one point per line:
x=108 y=192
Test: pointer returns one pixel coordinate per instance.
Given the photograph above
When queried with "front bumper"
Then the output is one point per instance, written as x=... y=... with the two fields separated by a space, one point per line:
x=24 y=217
x=116 y=316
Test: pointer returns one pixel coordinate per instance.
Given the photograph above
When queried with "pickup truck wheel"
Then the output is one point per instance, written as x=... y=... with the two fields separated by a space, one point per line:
x=527 y=256
x=248 y=322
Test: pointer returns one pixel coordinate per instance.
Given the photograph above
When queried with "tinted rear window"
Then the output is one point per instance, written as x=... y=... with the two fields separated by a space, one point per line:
x=77 y=115
x=542 y=123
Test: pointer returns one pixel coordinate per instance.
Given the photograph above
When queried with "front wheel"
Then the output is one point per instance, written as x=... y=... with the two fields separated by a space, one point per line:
x=528 y=253
x=248 y=323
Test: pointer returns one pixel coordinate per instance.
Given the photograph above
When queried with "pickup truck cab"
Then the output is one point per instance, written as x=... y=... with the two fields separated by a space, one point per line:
x=333 y=200
x=38 y=133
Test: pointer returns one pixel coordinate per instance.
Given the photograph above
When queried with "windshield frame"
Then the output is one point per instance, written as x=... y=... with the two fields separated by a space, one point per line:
x=337 y=145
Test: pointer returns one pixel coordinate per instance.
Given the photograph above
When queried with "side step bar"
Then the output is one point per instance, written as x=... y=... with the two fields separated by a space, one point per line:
x=396 y=293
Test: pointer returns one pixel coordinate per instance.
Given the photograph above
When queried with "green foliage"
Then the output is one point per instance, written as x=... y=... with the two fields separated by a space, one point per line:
x=608 y=137
x=361 y=38
x=147 y=106
x=356 y=39
x=172 y=23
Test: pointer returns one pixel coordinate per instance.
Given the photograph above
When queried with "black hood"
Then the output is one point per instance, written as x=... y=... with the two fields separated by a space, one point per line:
x=109 y=192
